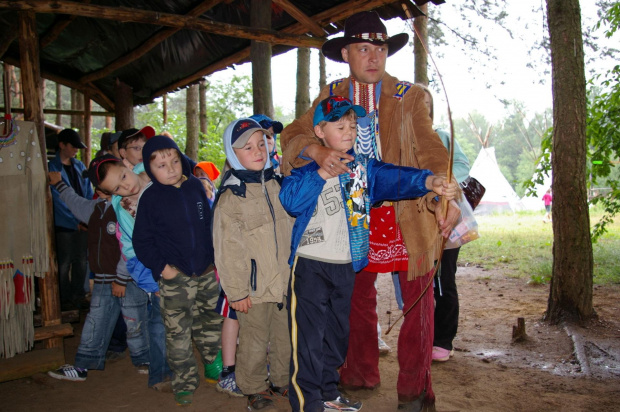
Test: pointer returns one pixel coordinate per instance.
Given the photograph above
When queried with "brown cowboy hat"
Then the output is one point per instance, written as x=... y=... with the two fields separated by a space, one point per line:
x=363 y=27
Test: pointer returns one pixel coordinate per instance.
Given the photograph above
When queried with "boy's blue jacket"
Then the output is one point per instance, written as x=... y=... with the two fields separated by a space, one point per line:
x=173 y=225
x=386 y=182
x=62 y=215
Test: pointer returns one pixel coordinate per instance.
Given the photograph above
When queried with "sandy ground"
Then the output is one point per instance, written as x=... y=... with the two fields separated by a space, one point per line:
x=557 y=368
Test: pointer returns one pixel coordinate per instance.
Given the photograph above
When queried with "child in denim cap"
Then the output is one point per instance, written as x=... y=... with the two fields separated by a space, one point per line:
x=172 y=237
x=330 y=244
x=251 y=233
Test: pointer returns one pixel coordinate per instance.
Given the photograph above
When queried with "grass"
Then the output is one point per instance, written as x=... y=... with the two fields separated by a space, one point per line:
x=521 y=245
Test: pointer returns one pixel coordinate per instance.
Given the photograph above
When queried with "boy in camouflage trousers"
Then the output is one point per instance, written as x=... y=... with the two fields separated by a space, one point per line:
x=172 y=237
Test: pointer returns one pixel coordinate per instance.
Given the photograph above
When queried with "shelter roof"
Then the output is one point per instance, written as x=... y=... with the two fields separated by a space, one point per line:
x=158 y=46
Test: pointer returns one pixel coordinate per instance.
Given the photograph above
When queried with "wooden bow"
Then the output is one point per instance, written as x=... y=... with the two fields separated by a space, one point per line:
x=444 y=202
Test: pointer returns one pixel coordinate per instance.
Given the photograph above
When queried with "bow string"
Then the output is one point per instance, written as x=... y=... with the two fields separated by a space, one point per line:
x=444 y=202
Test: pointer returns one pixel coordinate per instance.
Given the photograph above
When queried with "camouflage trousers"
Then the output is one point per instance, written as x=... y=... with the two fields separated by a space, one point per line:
x=188 y=307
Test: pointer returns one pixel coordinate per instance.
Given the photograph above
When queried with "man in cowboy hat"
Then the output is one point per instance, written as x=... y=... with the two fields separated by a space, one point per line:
x=403 y=235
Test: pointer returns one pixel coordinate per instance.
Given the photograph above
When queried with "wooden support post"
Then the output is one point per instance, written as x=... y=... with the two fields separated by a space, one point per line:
x=123 y=102
x=6 y=88
x=30 y=72
x=33 y=111
x=88 y=121
x=108 y=122
x=260 y=56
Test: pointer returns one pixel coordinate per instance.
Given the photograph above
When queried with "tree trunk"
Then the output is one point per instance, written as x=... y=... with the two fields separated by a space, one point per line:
x=123 y=106
x=570 y=294
x=202 y=103
x=165 y=108
x=191 y=115
x=58 y=103
x=322 y=75
x=302 y=98
x=260 y=56
x=420 y=55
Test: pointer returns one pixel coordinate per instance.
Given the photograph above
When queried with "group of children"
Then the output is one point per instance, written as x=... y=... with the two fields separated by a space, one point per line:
x=286 y=253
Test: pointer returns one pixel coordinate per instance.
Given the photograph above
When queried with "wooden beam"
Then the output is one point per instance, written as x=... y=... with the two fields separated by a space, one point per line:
x=301 y=17
x=68 y=316
x=146 y=46
x=53 y=331
x=30 y=363
x=322 y=19
x=62 y=111
x=95 y=93
x=125 y=14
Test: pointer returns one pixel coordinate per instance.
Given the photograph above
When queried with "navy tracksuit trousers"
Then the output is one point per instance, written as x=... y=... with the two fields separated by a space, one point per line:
x=320 y=302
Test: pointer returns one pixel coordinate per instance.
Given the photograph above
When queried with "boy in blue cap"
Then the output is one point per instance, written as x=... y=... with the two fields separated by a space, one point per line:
x=330 y=244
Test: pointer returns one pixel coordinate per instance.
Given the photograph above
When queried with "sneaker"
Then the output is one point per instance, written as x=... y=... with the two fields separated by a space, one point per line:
x=69 y=373
x=441 y=354
x=342 y=404
x=143 y=369
x=261 y=400
x=279 y=390
x=228 y=385
x=184 y=398
x=384 y=348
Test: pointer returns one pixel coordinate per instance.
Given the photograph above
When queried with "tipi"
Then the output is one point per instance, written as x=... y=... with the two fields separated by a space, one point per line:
x=499 y=196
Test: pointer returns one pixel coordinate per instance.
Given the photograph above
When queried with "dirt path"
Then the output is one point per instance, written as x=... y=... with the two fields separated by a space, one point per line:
x=487 y=373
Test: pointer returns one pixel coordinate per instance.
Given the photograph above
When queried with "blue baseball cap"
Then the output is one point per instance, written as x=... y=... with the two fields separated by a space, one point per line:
x=266 y=122
x=334 y=107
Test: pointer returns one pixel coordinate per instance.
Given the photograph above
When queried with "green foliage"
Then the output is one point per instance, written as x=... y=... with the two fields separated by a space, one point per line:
x=226 y=101
x=602 y=130
x=520 y=245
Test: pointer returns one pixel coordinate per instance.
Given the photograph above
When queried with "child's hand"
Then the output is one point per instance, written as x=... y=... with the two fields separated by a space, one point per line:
x=241 y=305
x=169 y=272
x=442 y=187
x=54 y=177
x=118 y=290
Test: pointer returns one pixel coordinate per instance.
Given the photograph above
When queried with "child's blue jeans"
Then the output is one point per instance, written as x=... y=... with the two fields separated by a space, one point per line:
x=100 y=321
x=158 y=368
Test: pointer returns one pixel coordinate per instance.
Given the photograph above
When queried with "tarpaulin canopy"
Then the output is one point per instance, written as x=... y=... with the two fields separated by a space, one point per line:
x=158 y=46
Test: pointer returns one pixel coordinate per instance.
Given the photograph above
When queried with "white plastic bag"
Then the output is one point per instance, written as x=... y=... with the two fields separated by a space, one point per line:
x=466 y=228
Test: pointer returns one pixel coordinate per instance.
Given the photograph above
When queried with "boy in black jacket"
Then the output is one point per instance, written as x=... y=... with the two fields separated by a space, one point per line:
x=172 y=237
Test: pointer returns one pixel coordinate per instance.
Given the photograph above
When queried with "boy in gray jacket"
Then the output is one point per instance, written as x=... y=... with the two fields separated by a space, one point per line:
x=114 y=290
